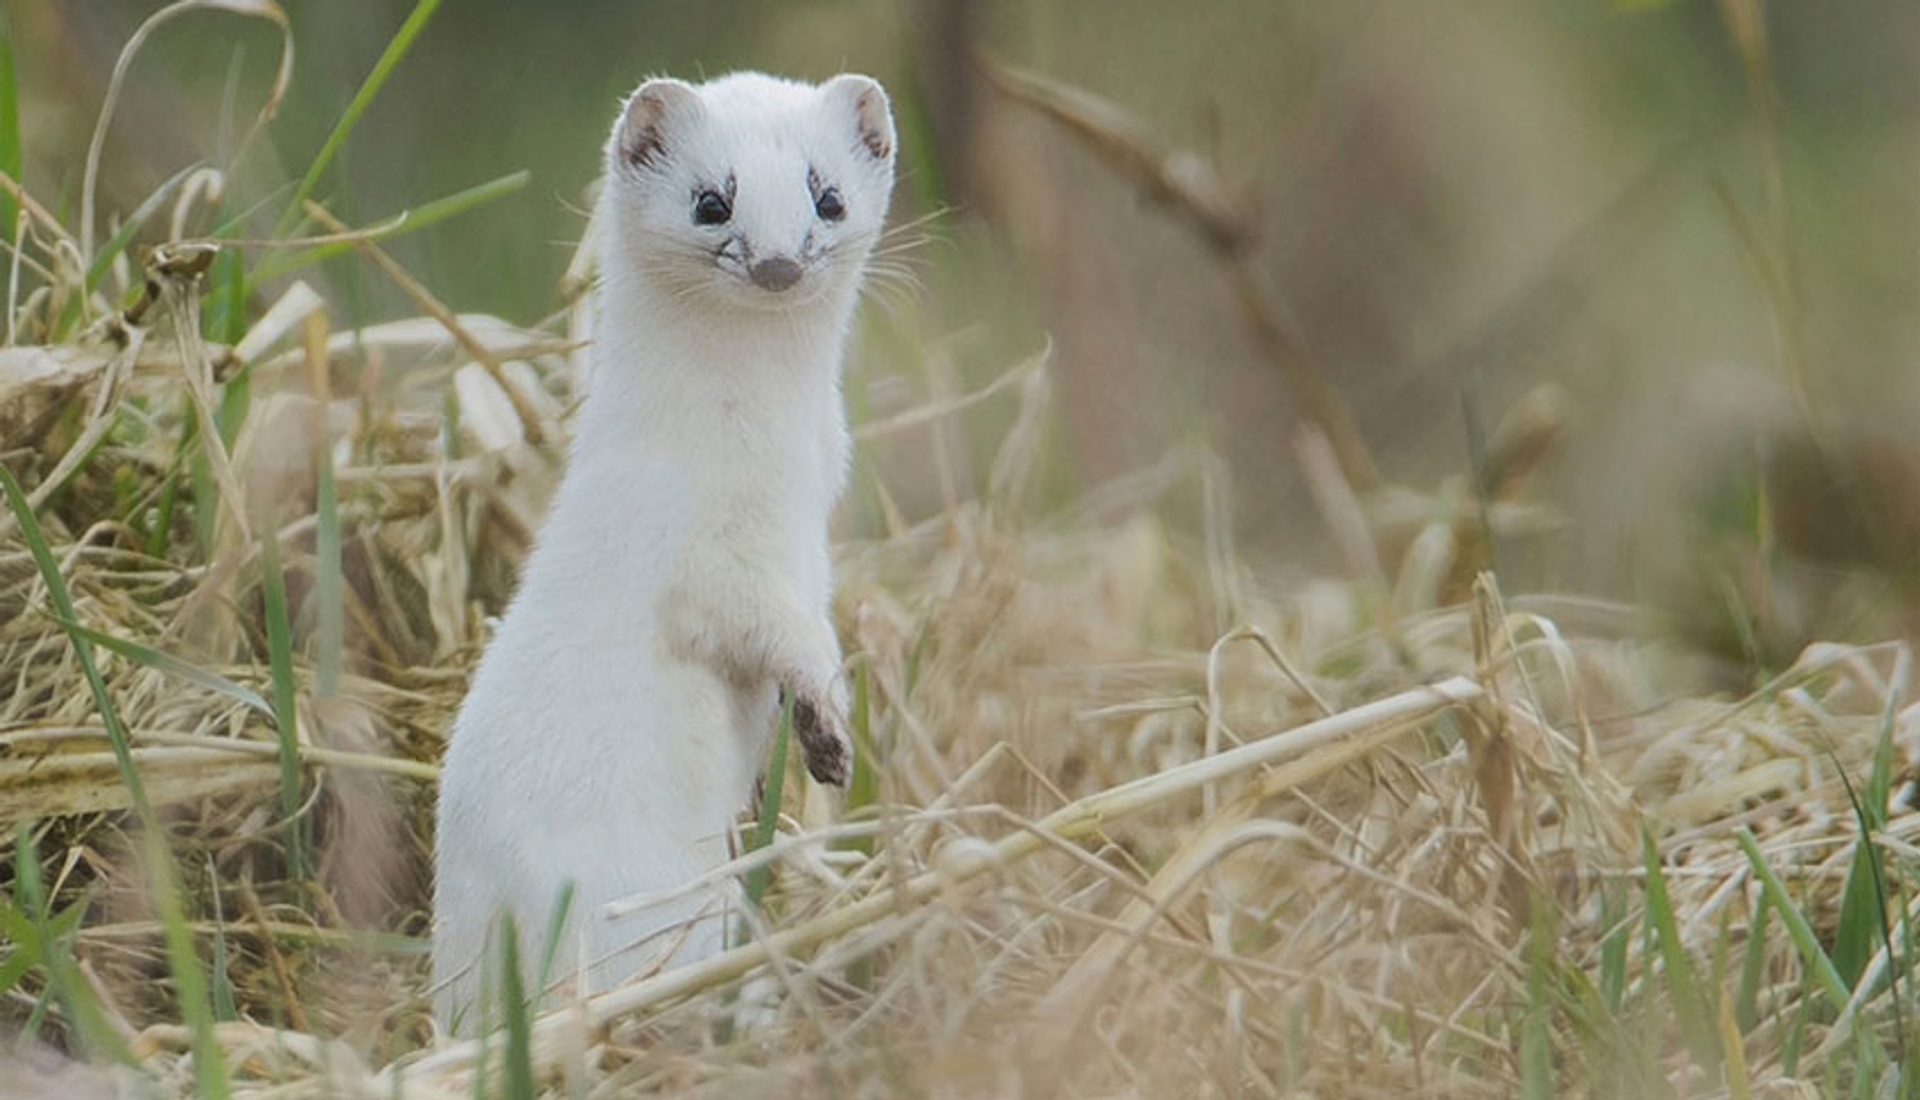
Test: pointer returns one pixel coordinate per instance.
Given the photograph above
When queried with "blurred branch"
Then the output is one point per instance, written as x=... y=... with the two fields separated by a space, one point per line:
x=529 y=416
x=1188 y=185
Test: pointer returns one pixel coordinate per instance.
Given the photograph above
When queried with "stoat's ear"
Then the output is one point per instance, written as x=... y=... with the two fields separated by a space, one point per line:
x=865 y=104
x=652 y=114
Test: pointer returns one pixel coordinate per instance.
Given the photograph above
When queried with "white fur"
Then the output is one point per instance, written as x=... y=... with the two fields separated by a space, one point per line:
x=615 y=726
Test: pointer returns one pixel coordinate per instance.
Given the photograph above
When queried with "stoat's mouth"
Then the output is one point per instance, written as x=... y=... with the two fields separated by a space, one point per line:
x=779 y=292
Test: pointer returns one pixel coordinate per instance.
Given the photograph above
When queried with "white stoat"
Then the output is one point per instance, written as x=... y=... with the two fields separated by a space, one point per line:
x=681 y=583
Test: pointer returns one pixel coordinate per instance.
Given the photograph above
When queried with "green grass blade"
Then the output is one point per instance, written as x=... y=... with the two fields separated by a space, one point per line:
x=1690 y=1005
x=209 y=1063
x=160 y=535
x=1536 y=1028
x=1859 y=927
x=414 y=218
x=556 y=928
x=62 y=602
x=103 y=259
x=226 y=318
x=1819 y=967
x=63 y=976
x=390 y=58
x=1863 y=902
x=519 y=1023
x=286 y=714
x=172 y=666
x=1613 y=954
x=223 y=1003
x=16 y=965
x=864 y=788
x=1753 y=967
x=761 y=877
x=9 y=127
x=329 y=586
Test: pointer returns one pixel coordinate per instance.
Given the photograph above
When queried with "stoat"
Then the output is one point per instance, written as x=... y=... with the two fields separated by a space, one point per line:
x=680 y=585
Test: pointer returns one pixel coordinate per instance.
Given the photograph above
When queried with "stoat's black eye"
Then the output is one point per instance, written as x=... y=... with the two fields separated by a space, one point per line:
x=711 y=208
x=829 y=206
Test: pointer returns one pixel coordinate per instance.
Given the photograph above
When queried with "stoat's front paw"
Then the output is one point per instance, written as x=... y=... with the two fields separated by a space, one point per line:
x=822 y=730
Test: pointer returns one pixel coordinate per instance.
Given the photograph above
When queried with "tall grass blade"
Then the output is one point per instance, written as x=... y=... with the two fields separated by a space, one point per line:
x=103 y=259
x=172 y=666
x=1690 y=1005
x=160 y=534
x=62 y=602
x=1536 y=1029
x=556 y=928
x=9 y=127
x=864 y=788
x=64 y=982
x=1866 y=888
x=1863 y=903
x=209 y=1063
x=761 y=877
x=414 y=218
x=226 y=317
x=286 y=714
x=224 y=1007
x=1613 y=953
x=1819 y=967
x=518 y=1013
x=1753 y=967
x=389 y=59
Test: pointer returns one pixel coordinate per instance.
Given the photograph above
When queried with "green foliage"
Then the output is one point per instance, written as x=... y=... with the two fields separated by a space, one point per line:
x=103 y=259
x=1799 y=929
x=517 y=1015
x=172 y=666
x=286 y=712
x=1753 y=968
x=407 y=221
x=190 y=984
x=397 y=48
x=1536 y=1028
x=556 y=928
x=39 y=935
x=10 y=155
x=773 y=793
x=1691 y=1004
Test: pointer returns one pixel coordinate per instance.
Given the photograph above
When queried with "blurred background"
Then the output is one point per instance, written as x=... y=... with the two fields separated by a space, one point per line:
x=1678 y=243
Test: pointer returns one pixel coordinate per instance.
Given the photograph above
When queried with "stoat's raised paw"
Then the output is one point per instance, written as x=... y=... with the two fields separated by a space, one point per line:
x=823 y=738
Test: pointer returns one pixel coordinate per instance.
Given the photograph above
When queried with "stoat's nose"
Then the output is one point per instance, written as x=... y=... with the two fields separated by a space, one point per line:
x=777 y=273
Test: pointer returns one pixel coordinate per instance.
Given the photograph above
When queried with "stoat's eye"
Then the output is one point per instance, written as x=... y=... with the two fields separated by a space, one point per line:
x=829 y=206
x=711 y=208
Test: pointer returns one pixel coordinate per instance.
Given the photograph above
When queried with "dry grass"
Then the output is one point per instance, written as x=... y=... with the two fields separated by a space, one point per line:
x=1134 y=818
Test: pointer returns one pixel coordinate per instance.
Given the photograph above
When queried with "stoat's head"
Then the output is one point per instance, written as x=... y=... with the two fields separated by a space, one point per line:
x=750 y=190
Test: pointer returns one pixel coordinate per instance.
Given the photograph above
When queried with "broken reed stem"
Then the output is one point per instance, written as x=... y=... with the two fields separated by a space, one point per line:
x=529 y=417
x=1192 y=188
x=1077 y=819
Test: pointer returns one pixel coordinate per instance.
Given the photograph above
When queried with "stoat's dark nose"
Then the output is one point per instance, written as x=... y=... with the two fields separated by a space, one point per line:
x=778 y=273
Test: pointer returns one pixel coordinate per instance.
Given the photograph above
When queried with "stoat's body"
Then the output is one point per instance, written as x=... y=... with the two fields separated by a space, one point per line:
x=681 y=583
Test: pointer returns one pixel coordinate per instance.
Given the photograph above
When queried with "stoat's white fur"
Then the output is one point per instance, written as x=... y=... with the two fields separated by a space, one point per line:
x=681 y=583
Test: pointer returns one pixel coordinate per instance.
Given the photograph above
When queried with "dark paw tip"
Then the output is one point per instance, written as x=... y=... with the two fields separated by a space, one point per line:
x=827 y=764
x=806 y=716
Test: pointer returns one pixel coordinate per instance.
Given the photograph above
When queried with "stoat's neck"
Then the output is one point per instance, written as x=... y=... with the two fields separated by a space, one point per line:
x=671 y=370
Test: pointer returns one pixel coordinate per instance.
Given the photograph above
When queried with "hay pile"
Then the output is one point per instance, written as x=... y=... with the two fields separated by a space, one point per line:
x=1090 y=861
